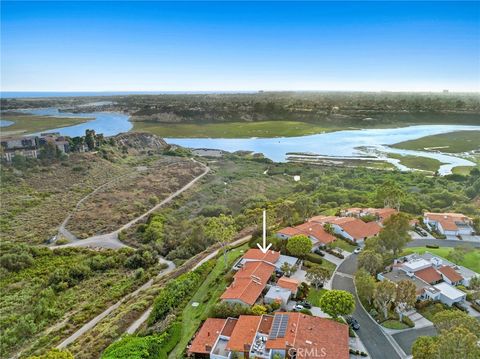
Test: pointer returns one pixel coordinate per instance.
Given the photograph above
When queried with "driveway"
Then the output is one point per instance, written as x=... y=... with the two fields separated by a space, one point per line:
x=406 y=338
x=378 y=344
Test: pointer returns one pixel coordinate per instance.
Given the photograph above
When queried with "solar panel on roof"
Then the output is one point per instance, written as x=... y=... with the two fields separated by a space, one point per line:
x=279 y=326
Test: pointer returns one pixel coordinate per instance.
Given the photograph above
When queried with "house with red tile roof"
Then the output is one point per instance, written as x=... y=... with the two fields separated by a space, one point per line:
x=429 y=275
x=314 y=231
x=283 y=334
x=449 y=224
x=349 y=227
x=248 y=283
x=450 y=275
x=380 y=214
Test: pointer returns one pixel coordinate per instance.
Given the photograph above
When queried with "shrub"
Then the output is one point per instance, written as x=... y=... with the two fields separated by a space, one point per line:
x=314 y=258
x=433 y=246
x=305 y=311
x=408 y=321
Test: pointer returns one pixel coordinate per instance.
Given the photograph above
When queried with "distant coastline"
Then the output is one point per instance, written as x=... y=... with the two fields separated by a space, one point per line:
x=45 y=94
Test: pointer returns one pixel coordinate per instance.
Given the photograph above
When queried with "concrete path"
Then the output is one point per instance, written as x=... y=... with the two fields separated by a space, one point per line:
x=137 y=323
x=85 y=328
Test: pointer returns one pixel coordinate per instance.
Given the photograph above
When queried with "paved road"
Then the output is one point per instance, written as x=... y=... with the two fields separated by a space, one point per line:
x=377 y=343
x=406 y=338
x=110 y=240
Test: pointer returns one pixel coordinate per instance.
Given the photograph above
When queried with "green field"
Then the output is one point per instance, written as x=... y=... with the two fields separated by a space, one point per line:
x=471 y=259
x=453 y=142
x=26 y=124
x=207 y=296
x=232 y=129
x=314 y=296
x=417 y=162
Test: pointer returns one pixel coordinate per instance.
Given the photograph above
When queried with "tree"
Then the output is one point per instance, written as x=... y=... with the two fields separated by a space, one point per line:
x=90 y=139
x=425 y=348
x=299 y=246
x=475 y=286
x=258 y=309
x=391 y=194
x=54 y=354
x=317 y=275
x=337 y=302
x=221 y=229
x=385 y=293
x=394 y=234
x=365 y=285
x=370 y=261
x=328 y=228
x=288 y=269
x=405 y=297
x=457 y=343
x=449 y=319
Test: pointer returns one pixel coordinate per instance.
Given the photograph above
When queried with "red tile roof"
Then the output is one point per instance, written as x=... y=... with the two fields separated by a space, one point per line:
x=288 y=283
x=448 y=220
x=207 y=335
x=429 y=275
x=316 y=230
x=450 y=273
x=359 y=229
x=257 y=254
x=249 y=282
x=290 y=231
x=243 y=333
x=313 y=334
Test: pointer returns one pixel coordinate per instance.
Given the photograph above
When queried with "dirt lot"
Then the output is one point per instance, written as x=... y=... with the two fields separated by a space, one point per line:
x=131 y=196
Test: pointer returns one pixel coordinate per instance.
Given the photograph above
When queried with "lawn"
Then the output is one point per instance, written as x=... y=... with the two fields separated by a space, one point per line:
x=232 y=129
x=452 y=142
x=394 y=324
x=417 y=162
x=462 y=170
x=314 y=296
x=26 y=124
x=207 y=296
x=471 y=259
x=344 y=245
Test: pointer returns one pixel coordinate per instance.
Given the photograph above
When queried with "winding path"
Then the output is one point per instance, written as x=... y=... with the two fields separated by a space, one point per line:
x=110 y=240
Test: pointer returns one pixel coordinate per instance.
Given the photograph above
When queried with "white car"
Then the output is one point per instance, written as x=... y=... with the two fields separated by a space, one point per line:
x=357 y=250
x=298 y=307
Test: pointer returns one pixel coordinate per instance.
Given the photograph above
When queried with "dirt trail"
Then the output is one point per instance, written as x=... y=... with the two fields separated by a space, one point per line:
x=110 y=240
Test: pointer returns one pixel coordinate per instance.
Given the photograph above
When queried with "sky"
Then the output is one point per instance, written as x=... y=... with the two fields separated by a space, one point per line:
x=240 y=46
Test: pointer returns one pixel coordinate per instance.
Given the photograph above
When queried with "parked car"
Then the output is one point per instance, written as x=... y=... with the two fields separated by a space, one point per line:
x=353 y=323
x=319 y=252
x=357 y=250
x=298 y=307
x=305 y=304
x=278 y=273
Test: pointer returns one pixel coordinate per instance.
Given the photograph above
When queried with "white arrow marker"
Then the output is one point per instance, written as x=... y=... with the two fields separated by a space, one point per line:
x=264 y=248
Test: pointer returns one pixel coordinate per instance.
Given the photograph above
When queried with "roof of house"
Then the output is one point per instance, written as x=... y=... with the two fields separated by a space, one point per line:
x=450 y=273
x=308 y=332
x=317 y=231
x=289 y=231
x=257 y=254
x=355 y=227
x=359 y=229
x=249 y=282
x=429 y=275
x=244 y=332
x=277 y=293
x=288 y=283
x=382 y=213
x=207 y=335
x=448 y=221
x=449 y=291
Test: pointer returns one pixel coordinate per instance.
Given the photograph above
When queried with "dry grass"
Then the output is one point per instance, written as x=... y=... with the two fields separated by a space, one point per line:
x=131 y=196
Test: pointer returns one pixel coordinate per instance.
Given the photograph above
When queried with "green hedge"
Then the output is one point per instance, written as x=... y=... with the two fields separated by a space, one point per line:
x=406 y=320
x=314 y=258
x=136 y=347
x=178 y=291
